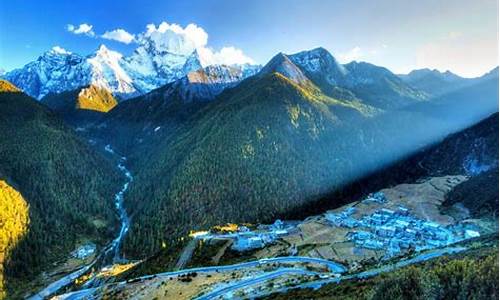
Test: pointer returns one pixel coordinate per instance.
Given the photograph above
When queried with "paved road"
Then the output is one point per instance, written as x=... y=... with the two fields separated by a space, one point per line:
x=332 y=266
x=226 y=290
x=370 y=273
x=83 y=294
x=59 y=284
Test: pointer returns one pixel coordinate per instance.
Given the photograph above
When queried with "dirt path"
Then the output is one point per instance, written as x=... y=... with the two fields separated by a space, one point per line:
x=186 y=255
x=221 y=252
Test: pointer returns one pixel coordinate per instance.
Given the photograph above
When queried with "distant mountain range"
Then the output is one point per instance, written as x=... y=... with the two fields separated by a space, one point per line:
x=435 y=83
x=152 y=65
x=149 y=67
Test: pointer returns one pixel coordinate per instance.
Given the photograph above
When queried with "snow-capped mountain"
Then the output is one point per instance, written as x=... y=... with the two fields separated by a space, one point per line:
x=107 y=72
x=282 y=64
x=320 y=65
x=152 y=65
x=371 y=84
x=55 y=71
x=203 y=84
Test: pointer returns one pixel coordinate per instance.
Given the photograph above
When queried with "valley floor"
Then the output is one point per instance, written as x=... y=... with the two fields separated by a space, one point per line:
x=390 y=229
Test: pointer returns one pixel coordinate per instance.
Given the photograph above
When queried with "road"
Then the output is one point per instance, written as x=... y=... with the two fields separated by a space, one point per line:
x=332 y=266
x=369 y=273
x=226 y=290
x=59 y=284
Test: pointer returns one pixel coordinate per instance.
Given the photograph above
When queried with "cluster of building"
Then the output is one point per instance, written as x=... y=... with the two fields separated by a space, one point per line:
x=245 y=239
x=265 y=234
x=84 y=251
x=396 y=231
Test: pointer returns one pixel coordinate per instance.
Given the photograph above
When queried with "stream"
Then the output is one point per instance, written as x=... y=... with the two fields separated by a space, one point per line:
x=104 y=259
x=122 y=212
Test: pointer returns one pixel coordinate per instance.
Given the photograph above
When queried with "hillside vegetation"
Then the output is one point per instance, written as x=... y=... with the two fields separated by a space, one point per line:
x=240 y=158
x=68 y=186
x=14 y=220
x=265 y=148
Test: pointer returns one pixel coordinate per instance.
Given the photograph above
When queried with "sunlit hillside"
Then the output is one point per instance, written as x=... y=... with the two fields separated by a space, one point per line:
x=14 y=221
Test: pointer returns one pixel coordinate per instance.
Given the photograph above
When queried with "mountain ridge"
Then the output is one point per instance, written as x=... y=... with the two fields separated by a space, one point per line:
x=147 y=68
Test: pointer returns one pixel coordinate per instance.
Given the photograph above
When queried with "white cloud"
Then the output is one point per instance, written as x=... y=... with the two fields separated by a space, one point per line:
x=119 y=35
x=83 y=28
x=353 y=54
x=61 y=50
x=226 y=56
x=172 y=38
x=176 y=39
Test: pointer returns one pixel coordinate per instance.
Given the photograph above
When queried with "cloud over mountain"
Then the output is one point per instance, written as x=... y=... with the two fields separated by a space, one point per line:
x=172 y=38
x=83 y=28
x=119 y=35
x=184 y=40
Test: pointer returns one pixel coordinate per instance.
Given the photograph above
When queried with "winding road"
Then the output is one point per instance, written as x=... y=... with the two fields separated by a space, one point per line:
x=234 y=286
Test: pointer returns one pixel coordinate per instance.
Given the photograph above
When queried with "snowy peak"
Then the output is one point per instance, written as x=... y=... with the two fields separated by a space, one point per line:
x=193 y=62
x=153 y=63
x=107 y=72
x=320 y=66
x=202 y=85
x=280 y=63
x=215 y=74
x=105 y=53
x=318 y=60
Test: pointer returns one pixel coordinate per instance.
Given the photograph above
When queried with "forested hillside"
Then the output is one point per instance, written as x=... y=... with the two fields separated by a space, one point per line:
x=271 y=144
x=244 y=157
x=14 y=222
x=68 y=186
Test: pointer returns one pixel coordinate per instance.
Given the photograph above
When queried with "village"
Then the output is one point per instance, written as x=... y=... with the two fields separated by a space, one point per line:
x=397 y=231
x=377 y=226
x=245 y=239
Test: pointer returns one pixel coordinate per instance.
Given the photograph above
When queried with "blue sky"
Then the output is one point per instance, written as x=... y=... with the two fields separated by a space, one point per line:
x=460 y=35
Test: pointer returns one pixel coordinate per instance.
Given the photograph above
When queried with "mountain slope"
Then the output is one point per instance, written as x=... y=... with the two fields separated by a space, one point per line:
x=68 y=186
x=141 y=122
x=13 y=227
x=87 y=98
x=85 y=103
x=265 y=147
x=245 y=156
x=373 y=85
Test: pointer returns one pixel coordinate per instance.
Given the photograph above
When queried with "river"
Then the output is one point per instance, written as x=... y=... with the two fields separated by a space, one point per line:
x=104 y=258
x=122 y=212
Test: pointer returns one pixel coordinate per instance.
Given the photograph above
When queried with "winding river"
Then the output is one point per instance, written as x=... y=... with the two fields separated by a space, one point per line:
x=104 y=258
x=124 y=218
